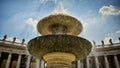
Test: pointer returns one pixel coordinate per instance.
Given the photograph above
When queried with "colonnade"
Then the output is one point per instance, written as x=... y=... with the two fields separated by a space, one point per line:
x=80 y=64
x=38 y=63
x=97 y=64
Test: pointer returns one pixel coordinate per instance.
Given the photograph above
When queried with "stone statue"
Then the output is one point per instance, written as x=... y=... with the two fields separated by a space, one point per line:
x=102 y=43
x=110 y=40
x=14 y=39
x=23 y=40
x=5 y=36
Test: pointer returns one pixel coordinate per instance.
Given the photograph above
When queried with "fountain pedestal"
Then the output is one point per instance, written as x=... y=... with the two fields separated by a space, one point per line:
x=59 y=60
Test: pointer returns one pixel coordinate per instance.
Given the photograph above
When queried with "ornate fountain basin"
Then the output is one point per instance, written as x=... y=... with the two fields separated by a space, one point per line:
x=59 y=23
x=42 y=45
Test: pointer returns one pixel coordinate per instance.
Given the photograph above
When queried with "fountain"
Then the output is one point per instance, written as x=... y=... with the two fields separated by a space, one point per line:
x=59 y=44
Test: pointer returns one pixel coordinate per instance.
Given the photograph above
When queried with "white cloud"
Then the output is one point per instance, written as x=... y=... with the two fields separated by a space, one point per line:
x=109 y=10
x=87 y=23
x=118 y=32
x=106 y=40
x=114 y=36
x=32 y=22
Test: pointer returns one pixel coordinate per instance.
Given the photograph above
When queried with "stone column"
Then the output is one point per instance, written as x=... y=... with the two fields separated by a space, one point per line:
x=106 y=62
x=8 y=60
x=19 y=60
x=28 y=61
x=87 y=61
x=78 y=64
x=116 y=61
x=0 y=55
x=81 y=63
x=37 y=63
x=42 y=64
x=97 y=62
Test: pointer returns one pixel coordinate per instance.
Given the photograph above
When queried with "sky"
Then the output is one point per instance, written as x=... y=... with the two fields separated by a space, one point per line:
x=100 y=18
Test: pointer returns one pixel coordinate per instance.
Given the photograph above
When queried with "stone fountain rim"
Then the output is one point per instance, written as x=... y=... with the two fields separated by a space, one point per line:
x=76 y=51
x=74 y=25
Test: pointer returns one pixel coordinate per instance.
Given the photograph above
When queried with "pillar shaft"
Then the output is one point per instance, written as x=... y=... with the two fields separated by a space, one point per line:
x=37 y=63
x=42 y=64
x=78 y=64
x=87 y=61
x=106 y=62
x=81 y=63
x=8 y=61
x=97 y=62
x=0 y=55
x=19 y=61
x=116 y=61
x=28 y=62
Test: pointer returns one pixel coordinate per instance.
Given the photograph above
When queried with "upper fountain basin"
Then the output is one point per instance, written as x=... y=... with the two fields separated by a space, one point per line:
x=59 y=23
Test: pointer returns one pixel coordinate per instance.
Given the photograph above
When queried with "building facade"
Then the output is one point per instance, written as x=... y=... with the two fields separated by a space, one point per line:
x=15 y=55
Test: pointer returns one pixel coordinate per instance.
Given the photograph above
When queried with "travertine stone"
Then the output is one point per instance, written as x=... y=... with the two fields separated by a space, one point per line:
x=87 y=62
x=18 y=61
x=97 y=62
x=28 y=61
x=116 y=61
x=42 y=45
x=59 y=59
x=8 y=60
x=106 y=62
x=78 y=64
x=59 y=23
x=37 y=63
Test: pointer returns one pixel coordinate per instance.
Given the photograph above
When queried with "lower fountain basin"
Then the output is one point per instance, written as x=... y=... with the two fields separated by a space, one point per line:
x=42 y=45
